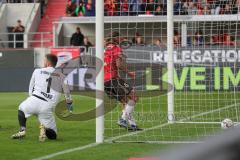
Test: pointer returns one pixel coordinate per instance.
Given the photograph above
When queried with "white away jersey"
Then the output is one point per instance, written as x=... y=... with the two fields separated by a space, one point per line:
x=49 y=84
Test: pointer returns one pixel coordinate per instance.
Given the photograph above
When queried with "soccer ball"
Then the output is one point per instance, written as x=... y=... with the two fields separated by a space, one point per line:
x=227 y=123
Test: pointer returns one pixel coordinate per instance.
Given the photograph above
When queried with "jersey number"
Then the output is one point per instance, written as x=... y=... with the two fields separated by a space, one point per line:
x=49 y=80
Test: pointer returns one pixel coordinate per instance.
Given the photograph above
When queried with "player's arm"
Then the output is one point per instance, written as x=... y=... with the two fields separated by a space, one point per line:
x=15 y=28
x=31 y=84
x=121 y=65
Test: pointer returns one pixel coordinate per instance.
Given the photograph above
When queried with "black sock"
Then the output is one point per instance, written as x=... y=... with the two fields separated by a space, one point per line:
x=51 y=134
x=22 y=120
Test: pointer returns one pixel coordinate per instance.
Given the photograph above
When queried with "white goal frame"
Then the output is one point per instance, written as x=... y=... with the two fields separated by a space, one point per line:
x=99 y=23
x=100 y=76
x=100 y=55
x=170 y=65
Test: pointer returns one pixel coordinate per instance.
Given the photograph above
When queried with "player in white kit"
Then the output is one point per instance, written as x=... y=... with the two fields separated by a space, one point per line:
x=45 y=90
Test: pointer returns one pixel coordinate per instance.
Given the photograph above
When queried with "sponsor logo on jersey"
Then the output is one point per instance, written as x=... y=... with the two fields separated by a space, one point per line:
x=45 y=72
x=49 y=96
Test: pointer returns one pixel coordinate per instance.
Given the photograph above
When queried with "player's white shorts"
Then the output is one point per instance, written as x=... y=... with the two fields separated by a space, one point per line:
x=42 y=109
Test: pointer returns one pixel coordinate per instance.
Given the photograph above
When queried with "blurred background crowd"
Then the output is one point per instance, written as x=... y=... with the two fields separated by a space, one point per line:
x=197 y=37
x=153 y=7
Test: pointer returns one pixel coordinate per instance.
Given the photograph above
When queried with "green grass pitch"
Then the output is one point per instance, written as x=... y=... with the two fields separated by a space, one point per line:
x=70 y=135
x=150 y=114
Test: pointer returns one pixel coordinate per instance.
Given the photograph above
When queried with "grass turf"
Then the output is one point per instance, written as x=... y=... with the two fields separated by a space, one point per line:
x=70 y=135
x=150 y=112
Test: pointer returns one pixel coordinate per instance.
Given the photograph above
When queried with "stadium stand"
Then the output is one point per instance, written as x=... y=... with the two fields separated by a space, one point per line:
x=86 y=8
x=54 y=10
x=29 y=14
x=153 y=7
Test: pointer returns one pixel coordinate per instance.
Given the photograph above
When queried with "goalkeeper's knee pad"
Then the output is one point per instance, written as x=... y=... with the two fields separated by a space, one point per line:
x=51 y=134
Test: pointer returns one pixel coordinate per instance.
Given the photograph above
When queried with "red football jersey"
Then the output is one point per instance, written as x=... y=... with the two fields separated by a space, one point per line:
x=111 y=54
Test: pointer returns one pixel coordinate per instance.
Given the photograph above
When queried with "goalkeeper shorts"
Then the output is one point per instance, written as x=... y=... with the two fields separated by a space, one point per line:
x=42 y=109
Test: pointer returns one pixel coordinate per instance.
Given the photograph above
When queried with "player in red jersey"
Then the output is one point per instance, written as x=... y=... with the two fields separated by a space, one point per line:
x=116 y=87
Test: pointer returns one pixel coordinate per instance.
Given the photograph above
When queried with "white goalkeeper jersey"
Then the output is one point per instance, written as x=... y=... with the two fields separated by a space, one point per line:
x=49 y=83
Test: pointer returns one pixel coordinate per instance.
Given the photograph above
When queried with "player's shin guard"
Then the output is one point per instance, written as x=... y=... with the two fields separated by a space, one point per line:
x=131 y=120
x=124 y=115
x=22 y=120
x=51 y=134
x=129 y=112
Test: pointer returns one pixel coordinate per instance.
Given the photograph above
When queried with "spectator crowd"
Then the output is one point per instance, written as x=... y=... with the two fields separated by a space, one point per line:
x=206 y=7
x=19 y=30
x=79 y=39
x=198 y=39
x=78 y=8
x=21 y=1
x=153 y=7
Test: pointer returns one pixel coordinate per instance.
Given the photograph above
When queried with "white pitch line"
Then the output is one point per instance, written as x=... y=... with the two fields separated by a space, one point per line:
x=164 y=142
x=125 y=135
x=67 y=151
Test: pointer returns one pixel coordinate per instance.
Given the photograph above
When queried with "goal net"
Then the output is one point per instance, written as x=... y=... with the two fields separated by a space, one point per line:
x=206 y=76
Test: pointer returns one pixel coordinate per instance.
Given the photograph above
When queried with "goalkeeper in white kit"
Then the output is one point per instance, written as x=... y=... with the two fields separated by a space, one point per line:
x=45 y=90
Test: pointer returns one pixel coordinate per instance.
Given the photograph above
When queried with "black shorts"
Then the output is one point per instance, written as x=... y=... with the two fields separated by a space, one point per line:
x=117 y=89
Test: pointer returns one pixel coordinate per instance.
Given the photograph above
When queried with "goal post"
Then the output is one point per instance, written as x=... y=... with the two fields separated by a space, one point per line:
x=100 y=77
x=170 y=61
x=187 y=74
